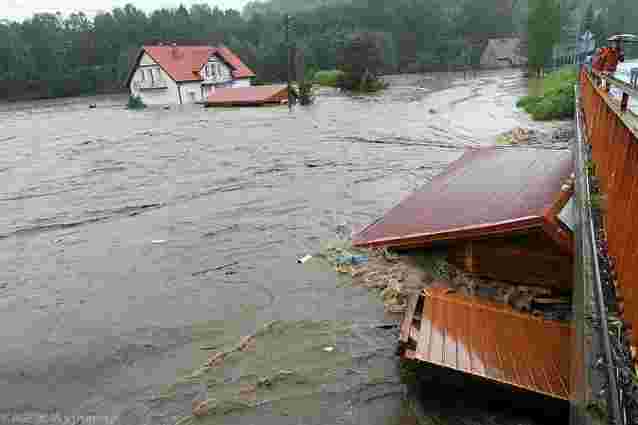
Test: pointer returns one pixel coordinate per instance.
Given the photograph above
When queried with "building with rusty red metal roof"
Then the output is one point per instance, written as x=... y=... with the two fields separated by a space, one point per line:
x=249 y=96
x=171 y=74
x=501 y=213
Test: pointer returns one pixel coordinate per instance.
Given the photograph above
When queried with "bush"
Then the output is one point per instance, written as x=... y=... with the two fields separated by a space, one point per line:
x=306 y=95
x=368 y=83
x=361 y=60
x=328 y=78
x=557 y=97
x=135 y=102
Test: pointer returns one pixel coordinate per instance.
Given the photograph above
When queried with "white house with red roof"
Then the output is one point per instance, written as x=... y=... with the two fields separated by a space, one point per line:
x=171 y=74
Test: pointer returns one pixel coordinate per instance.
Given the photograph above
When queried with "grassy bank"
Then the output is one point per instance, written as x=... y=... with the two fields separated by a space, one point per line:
x=554 y=98
x=328 y=78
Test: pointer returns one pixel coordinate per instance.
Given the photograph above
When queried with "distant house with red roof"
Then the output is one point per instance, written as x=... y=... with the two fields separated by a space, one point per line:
x=171 y=74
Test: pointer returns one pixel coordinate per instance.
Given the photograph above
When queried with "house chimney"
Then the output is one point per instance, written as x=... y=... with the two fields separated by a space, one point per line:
x=174 y=50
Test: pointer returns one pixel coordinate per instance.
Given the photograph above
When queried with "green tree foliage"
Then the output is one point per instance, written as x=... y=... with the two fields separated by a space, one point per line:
x=52 y=55
x=588 y=20
x=557 y=98
x=544 y=30
x=360 y=60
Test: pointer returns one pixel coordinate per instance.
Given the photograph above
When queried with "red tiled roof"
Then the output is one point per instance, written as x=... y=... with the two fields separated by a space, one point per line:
x=256 y=95
x=183 y=63
x=487 y=191
x=239 y=69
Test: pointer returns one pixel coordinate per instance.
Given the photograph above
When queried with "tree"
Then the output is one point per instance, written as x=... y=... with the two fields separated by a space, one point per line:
x=544 y=30
x=588 y=20
x=360 y=60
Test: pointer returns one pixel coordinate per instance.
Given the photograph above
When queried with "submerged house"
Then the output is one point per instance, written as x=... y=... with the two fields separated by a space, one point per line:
x=503 y=53
x=171 y=74
x=502 y=215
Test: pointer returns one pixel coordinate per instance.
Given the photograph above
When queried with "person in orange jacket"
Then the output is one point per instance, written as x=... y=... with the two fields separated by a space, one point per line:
x=607 y=58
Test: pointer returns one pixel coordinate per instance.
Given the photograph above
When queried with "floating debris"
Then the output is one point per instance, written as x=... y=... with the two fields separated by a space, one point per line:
x=352 y=259
x=304 y=259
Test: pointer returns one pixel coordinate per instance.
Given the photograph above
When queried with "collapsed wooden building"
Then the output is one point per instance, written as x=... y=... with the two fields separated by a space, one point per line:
x=502 y=214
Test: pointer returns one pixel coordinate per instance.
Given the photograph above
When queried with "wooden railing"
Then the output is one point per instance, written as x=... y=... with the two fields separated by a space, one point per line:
x=612 y=131
x=150 y=84
x=610 y=81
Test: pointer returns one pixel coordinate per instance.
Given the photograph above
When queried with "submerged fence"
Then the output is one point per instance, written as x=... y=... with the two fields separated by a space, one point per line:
x=612 y=132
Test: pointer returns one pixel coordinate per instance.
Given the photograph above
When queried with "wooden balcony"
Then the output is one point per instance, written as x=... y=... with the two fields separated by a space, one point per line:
x=151 y=85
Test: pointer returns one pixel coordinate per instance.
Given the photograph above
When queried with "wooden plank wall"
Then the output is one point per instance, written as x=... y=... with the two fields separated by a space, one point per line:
x=615 y=155
x=529 y=259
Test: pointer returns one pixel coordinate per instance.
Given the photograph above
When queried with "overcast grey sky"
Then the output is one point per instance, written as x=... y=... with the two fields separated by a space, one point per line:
x=20 y=9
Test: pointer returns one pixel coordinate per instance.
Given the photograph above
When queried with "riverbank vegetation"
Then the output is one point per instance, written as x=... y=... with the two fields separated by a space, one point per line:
x=328 y=78
x=135 y=102
x=360 y=60
x=555 y=99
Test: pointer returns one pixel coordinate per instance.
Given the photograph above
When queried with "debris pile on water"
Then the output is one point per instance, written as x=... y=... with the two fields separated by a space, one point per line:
x=559 y=138
x=397 y=276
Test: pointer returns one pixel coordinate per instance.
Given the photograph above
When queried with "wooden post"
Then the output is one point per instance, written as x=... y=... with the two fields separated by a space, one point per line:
x=288 y=24
x=624 y=103
x=469 y=257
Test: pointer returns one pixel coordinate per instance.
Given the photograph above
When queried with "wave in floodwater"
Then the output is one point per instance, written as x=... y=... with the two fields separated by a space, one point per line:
x=116 y=223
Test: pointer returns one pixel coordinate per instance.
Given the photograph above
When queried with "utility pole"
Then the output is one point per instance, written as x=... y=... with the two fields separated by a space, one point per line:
x=288 y=24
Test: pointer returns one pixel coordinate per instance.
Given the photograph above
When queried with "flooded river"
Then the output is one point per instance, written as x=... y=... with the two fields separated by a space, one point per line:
x=127 y=239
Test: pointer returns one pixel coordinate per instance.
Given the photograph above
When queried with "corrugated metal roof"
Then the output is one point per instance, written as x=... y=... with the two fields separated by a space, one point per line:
x=255 y=95
x=487 y=191
x=491 y=341
x=183 y=63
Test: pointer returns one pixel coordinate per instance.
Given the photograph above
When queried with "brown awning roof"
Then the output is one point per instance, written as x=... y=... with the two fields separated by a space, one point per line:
x=487 y=191
x=491 y=341
x=254 y=95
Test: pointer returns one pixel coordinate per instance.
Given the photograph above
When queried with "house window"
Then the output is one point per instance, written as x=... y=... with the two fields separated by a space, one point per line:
x=142 y=77
x=150 y=73
x=158 y=75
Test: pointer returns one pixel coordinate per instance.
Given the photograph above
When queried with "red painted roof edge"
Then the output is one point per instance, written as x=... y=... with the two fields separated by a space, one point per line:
x=424 y=239
x=240 y=70
x=454 y=165
x=547 y=220
x=161 y=66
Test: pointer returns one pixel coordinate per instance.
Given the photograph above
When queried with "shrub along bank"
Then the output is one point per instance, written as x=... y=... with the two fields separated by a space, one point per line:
x=556 y=99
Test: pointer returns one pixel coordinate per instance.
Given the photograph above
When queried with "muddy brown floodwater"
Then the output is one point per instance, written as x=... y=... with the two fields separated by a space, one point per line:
x=116 y=227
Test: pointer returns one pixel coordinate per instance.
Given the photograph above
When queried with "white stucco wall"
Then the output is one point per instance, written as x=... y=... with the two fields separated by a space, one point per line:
x=188 y=88
x=163 y=96
x=243 y=82
x=159 y=96
x=222 y=71
x=147 y=60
